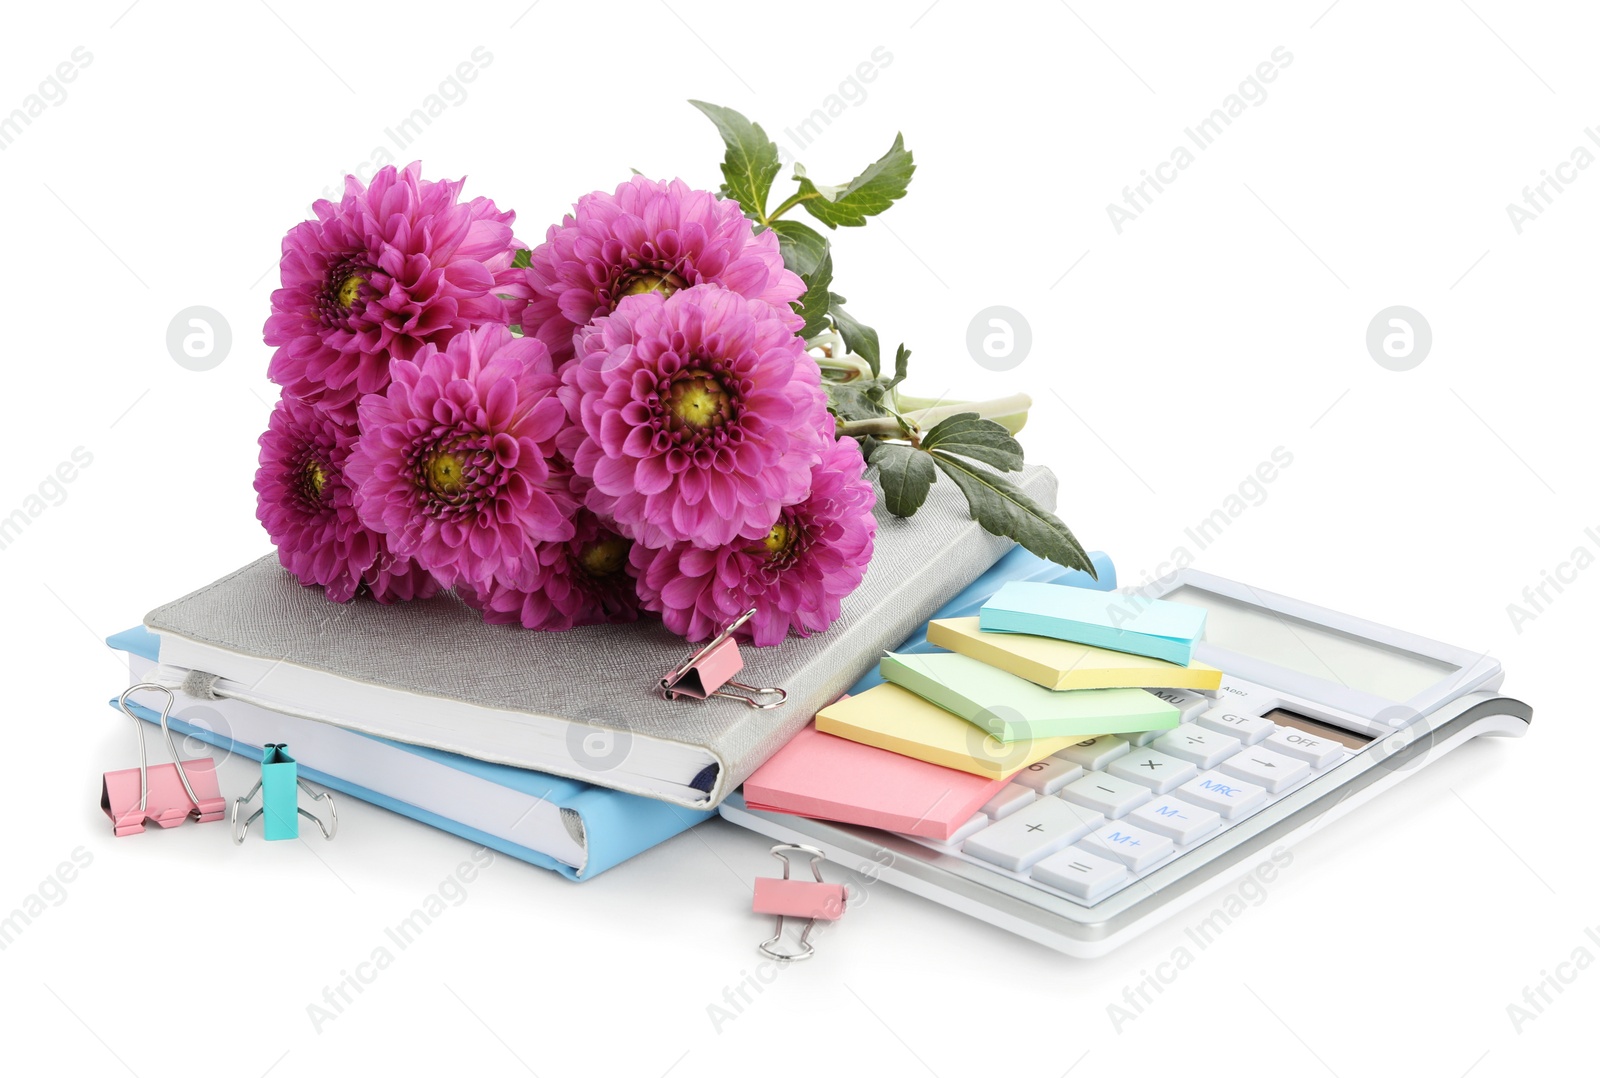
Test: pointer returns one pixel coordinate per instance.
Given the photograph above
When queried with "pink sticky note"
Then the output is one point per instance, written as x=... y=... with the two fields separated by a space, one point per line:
x=829 y=778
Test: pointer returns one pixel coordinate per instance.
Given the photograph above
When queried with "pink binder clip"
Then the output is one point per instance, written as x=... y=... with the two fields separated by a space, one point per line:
x=816 y=901
x=166 y=794
x=708 y=672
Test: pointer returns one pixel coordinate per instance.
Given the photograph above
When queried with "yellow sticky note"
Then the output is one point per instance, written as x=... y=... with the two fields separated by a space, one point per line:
x=889 y=717
x=1060 y=664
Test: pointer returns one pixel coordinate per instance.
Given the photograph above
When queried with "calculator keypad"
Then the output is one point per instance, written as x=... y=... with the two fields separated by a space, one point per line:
x=1093 y=818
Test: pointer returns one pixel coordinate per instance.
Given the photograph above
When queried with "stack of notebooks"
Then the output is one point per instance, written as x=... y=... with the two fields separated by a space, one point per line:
x=554 y=748
x=1043 y=666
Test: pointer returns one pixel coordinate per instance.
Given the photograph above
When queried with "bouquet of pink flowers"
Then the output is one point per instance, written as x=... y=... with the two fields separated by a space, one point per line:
x=661 y=408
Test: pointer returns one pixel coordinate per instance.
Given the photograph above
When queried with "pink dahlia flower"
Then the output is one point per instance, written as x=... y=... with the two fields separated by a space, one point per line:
x=796 y=576
x=304 y=500
x=454 y=461
x=585 y=580
x=386 y=270
x=647 y=236
x=695 y=417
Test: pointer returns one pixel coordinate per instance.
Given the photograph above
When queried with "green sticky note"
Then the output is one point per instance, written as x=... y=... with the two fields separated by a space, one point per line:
x=1011 y=709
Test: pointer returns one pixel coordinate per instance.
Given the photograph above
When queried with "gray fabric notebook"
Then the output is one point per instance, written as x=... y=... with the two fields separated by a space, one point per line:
x=582 y=703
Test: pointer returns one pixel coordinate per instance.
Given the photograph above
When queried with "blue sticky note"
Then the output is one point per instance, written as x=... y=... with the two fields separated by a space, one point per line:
x=1152 y=627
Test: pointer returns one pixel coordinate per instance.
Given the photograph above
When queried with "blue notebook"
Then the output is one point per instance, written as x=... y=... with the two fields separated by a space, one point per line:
x=557 y=823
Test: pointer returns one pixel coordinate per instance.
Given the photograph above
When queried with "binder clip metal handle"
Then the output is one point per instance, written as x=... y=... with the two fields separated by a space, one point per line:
x=280 y=785
x=709 y=672
x=815 y=901
x=169 y=794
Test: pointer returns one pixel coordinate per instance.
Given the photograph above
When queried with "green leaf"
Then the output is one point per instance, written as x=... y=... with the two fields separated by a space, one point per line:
x=867 y=195
x=849 y=401
x=902 y=356
x=1003 y=509
x=801 y=245
x=813 y=304
x=751 y=162
x=522 y=259
x=907 y=474
x=860 y=339
x=965 y=435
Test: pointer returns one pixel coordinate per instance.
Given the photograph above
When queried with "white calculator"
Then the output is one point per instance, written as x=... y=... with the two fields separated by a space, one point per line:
x=1088 y=848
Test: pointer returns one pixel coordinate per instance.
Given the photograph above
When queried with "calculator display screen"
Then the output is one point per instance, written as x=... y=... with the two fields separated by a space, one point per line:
x=1314 y=650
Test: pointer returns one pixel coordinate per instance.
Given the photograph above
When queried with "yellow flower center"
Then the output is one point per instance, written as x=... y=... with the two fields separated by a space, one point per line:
x=444 y=473
x=350 y=290
x=316 y=478
x=777 y=540
x=698 y=399
x=605 y=556
x=642 y=281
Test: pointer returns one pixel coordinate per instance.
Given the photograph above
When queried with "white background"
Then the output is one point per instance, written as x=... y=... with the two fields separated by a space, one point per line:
x=1227 y=320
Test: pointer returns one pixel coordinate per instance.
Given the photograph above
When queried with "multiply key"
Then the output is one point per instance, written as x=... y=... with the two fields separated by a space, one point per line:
x=1154 y=770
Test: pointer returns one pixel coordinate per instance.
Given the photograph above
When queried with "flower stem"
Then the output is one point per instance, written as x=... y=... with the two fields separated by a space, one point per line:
x=1011 y=412
x=788 y=204
x=879 y=427
x=846 y=368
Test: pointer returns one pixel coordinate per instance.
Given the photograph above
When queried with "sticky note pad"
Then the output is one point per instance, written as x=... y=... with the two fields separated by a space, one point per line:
x=889 y=717
x=1062 y=664
x=1011 y=709
x=1152 y=627
x=831 y=778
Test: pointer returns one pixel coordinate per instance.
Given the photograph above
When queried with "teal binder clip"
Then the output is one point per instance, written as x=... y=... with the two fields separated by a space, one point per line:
x=280 y=785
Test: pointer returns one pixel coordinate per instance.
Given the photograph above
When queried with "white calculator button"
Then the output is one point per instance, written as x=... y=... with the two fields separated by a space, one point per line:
x=1106 y=793
x=1133 y=846
x=1156 y=770
x=1033 y=832
x=1223 y=793
x=1081 y=875
x=1181 y=821
x=1010 y=798
x=1201 y=747
x=1096 y=752
x=1272 y=770
x=1190 y=705
x=1142 y=738
x=1048 y=775
x=1227 y=719
x=1319 y=752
